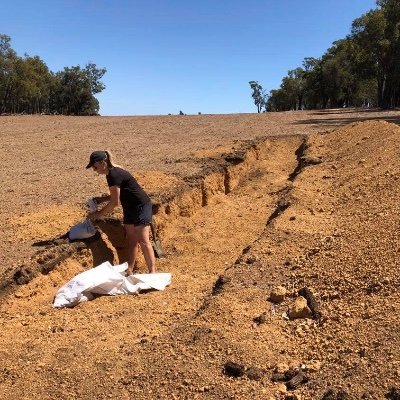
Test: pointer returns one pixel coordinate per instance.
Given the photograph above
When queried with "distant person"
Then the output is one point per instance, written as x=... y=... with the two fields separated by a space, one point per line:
x=136 y=206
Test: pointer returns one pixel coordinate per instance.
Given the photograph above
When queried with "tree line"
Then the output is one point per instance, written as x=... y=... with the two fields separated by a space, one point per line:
x=361 y=70
x=28 y=86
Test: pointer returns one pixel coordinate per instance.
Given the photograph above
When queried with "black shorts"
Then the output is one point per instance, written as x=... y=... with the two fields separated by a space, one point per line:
x=138 y=215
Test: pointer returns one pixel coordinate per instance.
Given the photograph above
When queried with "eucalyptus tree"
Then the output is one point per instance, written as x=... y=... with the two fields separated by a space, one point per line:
x=391 y=12
x=28 y=86
x=7 y=75
x=74 y=92
x=95 y=74
x=259 y=95
x=378 y=35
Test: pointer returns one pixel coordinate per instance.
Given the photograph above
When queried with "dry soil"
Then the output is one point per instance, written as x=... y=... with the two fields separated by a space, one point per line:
x=303 y=201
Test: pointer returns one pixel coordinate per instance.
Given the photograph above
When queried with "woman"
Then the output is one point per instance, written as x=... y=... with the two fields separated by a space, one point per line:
x=136 y=206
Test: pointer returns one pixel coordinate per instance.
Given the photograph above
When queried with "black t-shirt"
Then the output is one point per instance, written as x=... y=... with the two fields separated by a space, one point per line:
x=131 y=193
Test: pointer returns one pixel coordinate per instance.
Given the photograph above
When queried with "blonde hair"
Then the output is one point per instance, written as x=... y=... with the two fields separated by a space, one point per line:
x=110 y=160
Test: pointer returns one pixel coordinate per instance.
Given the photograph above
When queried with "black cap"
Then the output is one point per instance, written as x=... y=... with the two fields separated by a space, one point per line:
x=96 y=156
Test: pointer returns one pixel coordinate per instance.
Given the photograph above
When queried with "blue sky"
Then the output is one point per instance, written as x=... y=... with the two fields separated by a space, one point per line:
x=166 y=56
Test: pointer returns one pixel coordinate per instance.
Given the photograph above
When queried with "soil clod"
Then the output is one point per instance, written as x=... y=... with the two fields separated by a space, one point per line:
x=278 y=294
x=297 y=380
x=233 y=369
x=393 y=394
x=261 y=319
x=311 y=302
x=335 y=394
x=255 y=373
x=219 y=285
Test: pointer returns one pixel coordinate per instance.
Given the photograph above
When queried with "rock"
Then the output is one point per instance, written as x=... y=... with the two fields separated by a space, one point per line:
x=291 y=374
x=297 y=380
x=393 y=394
x=311 y=160
x=299 y=309
x=281 y=388
x=293 y=396
x=285 y=316
x=261 y=319
x=255 y=373
x=278 y=377
x=335 y=394
x=233 y=369
x=278 y=294
x=285 y=376
x=311 y=302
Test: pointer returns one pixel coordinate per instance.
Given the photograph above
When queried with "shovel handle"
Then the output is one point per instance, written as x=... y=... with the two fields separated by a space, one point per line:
x=153 y=231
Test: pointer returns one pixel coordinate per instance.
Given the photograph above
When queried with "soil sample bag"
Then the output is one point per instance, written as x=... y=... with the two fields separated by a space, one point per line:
x=84 y=230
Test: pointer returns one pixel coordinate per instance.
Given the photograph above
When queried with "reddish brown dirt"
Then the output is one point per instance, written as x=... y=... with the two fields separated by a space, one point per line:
x=244 y=205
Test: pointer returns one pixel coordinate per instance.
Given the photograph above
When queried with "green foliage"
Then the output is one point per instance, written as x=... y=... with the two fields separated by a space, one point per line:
x=27 y=85
x=361 y=70
x=259 y=96
x=95 y=74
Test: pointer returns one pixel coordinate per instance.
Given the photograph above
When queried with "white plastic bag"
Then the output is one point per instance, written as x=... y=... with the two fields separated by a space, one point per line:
x=107 y=279
x=83 y=230
x=138 y=282
x=92 y=205
x=103 y=279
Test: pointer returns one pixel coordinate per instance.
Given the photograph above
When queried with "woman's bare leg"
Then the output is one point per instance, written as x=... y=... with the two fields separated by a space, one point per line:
x=133 y=248
x=143 y=237
x=139 y=235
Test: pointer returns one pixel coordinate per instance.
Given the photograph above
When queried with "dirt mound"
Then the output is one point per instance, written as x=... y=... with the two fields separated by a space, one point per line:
x=337 y=238
x=314 y=217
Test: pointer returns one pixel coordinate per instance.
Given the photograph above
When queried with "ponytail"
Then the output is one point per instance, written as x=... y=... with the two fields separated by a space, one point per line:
x=110 y=160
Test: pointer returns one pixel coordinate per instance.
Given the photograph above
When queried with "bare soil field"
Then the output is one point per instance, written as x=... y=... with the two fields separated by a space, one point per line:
x=281 y=234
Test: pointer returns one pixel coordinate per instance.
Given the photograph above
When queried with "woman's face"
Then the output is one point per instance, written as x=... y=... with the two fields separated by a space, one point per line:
x=100 y=167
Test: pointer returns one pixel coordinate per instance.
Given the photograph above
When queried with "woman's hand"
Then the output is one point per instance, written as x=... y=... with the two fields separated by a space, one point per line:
x=94 y=215
x=113 y=202
x=101 y=199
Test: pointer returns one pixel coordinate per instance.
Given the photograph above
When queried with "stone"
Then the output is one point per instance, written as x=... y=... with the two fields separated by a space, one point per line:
x=393 y=394
x=261 y=319
x=335 y=394
x=293 y=396
x=297 y=380
x=233 y=369
x=299 y=309
x=255 y=373
x=278 y=294
x=281 y=388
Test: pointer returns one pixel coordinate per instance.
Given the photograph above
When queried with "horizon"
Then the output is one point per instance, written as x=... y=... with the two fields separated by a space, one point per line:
x=163 y=58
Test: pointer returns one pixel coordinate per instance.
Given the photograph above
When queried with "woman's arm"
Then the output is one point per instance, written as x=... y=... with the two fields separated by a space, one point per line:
x=102 y=199
x=112 y=203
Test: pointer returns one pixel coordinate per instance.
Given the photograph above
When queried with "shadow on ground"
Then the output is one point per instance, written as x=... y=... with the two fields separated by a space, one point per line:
x=359 y=115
